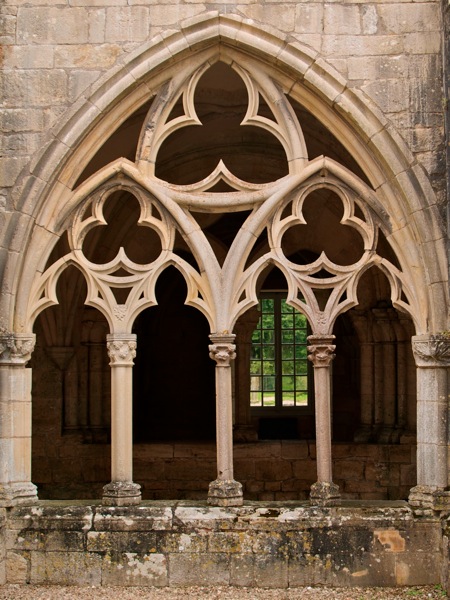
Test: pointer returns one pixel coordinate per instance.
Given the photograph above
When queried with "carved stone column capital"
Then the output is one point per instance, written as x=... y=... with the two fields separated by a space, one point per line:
x=61 y=355
x=16 y=348
x=321 y=350
x=431 y=351
x=222 y=350
x=121 y=348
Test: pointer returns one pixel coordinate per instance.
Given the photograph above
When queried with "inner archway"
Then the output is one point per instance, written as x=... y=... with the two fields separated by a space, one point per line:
x=173 y=392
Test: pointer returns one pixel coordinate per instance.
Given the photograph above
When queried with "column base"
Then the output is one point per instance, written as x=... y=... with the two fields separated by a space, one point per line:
x=426 y=500
x=324 y=493
x=225 y=493
x=121 y=493
x=13 y=494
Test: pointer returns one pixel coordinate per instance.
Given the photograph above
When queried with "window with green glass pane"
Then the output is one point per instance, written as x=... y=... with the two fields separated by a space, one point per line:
x=279 y=365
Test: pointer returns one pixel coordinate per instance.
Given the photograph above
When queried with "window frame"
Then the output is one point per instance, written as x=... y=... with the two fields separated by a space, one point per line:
x=279 y=410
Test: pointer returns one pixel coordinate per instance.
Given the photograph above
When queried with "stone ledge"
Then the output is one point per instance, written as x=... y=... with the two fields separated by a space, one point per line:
x=162 y=543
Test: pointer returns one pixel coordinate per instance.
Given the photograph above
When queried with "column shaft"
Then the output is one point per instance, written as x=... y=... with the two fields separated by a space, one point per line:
x=432 y=355
x=121 y=423
x=15 y=420
x=243 y=430
x=321 y=349
x=224 y=424
x=432 y=409
x=363 y=324
x=366 y=386
x=121 y=491
x=224 y=491
x=378 y=386
x=96 y=391
x=323 y=424
x=402 y=375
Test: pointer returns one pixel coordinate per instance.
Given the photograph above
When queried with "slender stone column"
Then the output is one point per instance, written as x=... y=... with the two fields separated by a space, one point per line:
x=121 y=491
x=432 y=355
x=402 y=375
x=363 y=325
x=15 y=420
x=62 y=357
x=411 y=385
x=386 y=374
x=224 y=491
x=378 y=384
x=321 y=348
x=364 y=433
x=243 y=430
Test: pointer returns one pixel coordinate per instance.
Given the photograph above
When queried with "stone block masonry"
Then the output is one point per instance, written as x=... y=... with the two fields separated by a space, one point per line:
x=2 y=546
x=52 y=54
x=181 y=543
x=270 y=470
x=372 y=75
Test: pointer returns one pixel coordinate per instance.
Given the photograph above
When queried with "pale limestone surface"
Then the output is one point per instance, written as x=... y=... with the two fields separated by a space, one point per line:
x=56 y=52
x=93 y=37
x=272 y=545
x=371 y=73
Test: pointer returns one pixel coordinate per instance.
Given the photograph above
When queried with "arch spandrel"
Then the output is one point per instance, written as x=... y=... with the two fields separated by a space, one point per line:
x=61 y=164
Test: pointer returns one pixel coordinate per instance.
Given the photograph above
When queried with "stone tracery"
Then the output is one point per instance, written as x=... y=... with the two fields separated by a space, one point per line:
x=224 y=292
x=373 y=170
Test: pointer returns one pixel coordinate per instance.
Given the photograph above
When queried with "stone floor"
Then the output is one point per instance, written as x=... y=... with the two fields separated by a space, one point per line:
x=32 y=592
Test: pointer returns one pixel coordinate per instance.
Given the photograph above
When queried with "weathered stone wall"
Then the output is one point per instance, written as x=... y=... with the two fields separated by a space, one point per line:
x=178 y=544
x=446 y=99
x=275 y=470
x=2 y=546
x=51 y=55
x=445 y=556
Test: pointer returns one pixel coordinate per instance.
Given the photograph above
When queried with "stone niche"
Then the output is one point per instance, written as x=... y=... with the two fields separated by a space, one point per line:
x=181 y=543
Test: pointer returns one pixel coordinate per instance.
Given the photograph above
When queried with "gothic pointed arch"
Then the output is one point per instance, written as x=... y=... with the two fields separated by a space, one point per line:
x=241 y=164
x=162 y=69
x=224 y=290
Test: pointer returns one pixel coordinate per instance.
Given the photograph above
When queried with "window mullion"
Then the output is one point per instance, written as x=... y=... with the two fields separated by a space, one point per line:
x=278 y=353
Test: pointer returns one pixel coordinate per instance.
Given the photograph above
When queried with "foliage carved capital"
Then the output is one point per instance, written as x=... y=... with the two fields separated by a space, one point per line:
x=16 y=348
x=321 y=350
x=222 y=350
x=431 y=350
x=121 y=349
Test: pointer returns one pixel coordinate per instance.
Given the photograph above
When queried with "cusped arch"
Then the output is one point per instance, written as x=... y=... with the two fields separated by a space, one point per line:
x=341 y=280
x=45 y=199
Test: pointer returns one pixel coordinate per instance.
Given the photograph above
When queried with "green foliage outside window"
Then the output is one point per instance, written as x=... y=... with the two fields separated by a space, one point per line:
x=279 y=363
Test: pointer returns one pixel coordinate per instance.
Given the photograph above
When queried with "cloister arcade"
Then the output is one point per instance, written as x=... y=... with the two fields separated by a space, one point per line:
x=192 y=185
